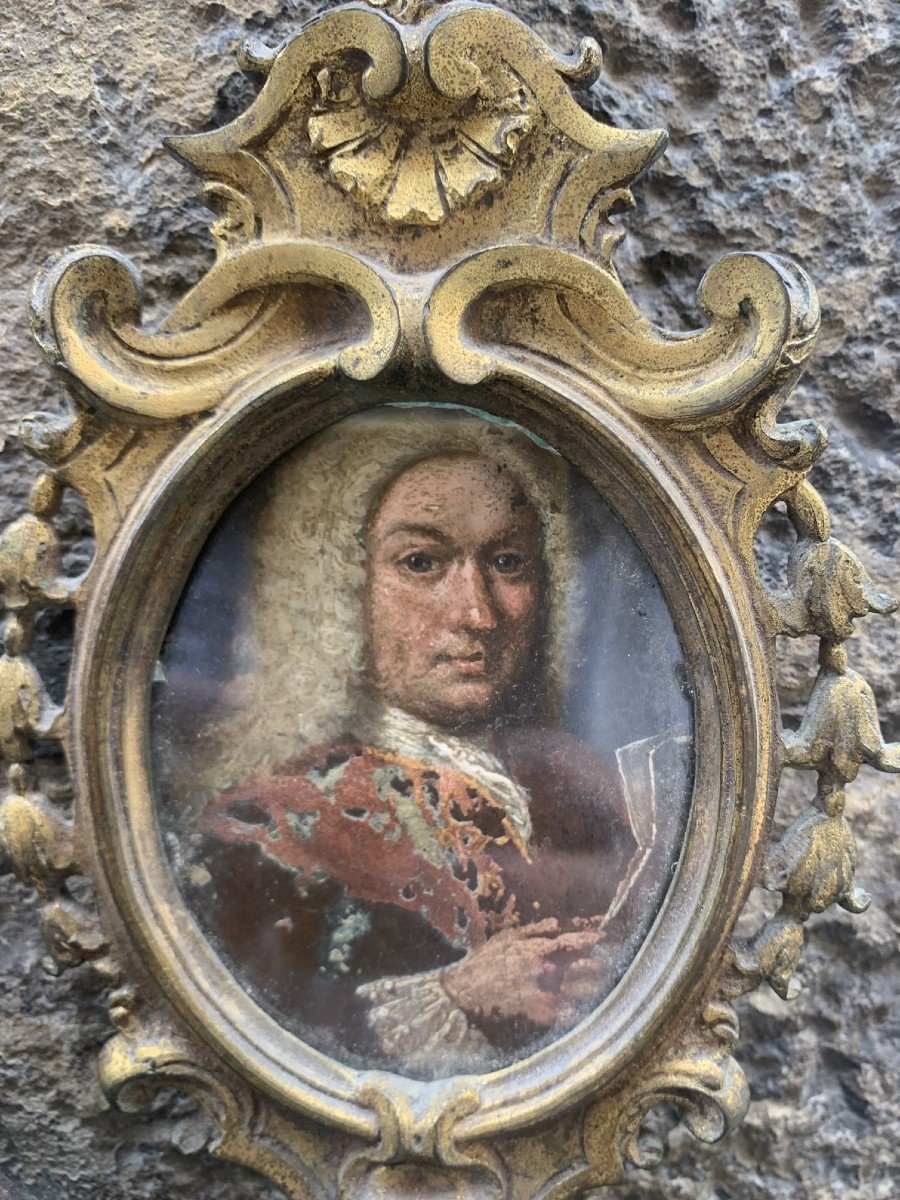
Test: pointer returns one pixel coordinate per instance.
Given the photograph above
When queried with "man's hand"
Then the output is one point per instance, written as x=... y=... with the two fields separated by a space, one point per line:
x=534 y=971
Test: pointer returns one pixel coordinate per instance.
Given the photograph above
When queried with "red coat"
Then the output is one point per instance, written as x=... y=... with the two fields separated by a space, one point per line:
x=351 y=863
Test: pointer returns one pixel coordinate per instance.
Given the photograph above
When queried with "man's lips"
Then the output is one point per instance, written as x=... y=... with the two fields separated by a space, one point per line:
x=475 y=663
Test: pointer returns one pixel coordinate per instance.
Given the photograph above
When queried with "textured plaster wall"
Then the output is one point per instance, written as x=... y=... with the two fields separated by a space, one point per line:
x=781 y=114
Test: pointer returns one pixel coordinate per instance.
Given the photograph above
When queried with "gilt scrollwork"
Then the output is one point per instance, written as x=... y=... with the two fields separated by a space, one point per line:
x=698 y=1078
x=418 y=1135
x=146 y=1058
x=415 y=195
x=589 y=328
x=258 y=306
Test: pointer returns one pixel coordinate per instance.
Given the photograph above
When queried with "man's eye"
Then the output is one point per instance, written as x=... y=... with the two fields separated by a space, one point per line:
x=419 y=563
x=509 y=564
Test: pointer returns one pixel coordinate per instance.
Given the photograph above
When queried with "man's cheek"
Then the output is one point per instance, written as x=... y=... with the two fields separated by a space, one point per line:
x=414 y=649
x=518 y=596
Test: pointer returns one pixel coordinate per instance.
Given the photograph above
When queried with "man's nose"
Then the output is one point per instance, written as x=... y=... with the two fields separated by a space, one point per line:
x=473 y=603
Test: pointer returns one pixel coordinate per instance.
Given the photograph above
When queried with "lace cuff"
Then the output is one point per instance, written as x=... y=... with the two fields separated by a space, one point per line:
x=415 y=1021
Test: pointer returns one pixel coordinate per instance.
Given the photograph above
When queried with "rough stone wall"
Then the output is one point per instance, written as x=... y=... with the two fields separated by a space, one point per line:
x=781 y=114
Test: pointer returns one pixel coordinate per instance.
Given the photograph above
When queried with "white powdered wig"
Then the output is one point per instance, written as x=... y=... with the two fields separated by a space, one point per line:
x=303 y=641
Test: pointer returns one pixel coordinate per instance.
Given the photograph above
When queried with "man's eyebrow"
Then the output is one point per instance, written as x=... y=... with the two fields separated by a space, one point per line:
x=425 y=531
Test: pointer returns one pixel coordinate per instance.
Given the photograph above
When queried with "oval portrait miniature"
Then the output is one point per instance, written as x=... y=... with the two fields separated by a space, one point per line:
x=422 y=742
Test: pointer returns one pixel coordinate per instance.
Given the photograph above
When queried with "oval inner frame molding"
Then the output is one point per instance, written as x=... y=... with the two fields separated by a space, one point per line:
x=122 y=634
x=459 y=245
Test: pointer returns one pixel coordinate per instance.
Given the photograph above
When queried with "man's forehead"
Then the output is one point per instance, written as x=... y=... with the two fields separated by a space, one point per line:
x=459 y=492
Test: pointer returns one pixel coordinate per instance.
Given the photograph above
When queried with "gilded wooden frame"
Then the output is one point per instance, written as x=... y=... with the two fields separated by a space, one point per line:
x=416 y=205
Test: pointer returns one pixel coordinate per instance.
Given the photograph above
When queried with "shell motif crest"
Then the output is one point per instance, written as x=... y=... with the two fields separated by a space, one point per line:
x=416 y=172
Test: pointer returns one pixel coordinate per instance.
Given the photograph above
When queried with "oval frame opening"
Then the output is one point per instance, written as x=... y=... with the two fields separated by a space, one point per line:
x=120 y=640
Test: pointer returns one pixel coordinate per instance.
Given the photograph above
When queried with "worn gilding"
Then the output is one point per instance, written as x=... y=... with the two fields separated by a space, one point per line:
x=416 y=202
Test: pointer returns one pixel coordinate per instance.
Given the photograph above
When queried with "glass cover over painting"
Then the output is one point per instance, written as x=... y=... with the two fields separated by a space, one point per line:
x=422 y=742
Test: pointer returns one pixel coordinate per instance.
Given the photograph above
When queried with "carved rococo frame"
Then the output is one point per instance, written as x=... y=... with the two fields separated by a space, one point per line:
x=415 y=203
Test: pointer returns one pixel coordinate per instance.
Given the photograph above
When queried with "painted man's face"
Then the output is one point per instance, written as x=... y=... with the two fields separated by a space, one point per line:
x=455 y=580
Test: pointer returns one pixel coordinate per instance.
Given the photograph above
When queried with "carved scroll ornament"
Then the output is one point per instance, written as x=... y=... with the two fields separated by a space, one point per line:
x=416 y=200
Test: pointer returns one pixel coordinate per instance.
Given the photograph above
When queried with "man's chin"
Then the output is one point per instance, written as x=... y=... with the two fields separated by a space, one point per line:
x=460 y=707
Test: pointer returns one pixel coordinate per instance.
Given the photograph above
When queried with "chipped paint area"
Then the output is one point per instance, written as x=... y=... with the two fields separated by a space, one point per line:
x=390 y=830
